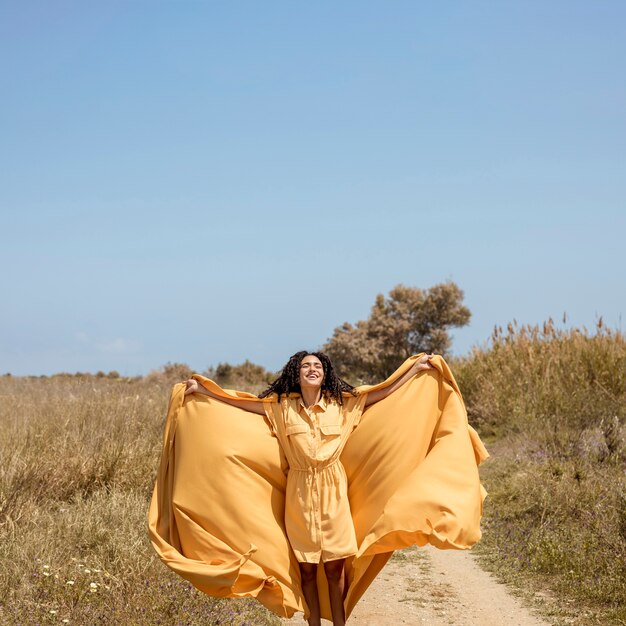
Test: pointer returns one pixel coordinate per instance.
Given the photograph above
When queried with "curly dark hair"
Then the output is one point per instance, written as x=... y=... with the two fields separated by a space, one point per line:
x=289 y=379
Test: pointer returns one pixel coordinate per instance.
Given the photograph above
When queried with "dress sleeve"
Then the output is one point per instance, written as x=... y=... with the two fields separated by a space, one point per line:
x=353 y=407
x=271 y=407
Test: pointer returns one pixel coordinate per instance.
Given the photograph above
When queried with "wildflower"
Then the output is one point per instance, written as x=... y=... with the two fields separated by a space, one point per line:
x=46 y=573
x=93 y=587
x=87 y=571
x=69 y=582
x=46 y=567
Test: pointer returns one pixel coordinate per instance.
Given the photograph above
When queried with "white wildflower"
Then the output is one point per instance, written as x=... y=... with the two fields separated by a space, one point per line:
x=87 y=571
x=46 y=573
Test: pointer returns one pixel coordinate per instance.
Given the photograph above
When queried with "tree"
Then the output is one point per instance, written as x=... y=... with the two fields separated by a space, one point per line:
x=408 y=321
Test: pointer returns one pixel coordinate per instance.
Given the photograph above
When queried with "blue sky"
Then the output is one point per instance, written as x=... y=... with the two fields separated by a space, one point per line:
x=208 y=181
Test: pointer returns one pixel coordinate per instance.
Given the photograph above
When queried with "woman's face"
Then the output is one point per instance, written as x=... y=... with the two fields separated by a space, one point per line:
x=311 y=372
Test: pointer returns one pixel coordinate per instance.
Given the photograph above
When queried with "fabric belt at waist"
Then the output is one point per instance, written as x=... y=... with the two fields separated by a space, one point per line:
x=315 y=468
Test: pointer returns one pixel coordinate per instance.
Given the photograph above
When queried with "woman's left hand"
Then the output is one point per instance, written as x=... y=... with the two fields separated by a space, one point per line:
x=423 y=363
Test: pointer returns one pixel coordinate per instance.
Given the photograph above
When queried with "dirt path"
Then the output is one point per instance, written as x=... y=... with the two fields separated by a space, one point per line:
x=437 y=588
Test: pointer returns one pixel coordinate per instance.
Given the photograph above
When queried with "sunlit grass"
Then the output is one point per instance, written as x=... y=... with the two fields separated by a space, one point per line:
x=79 y=458
x=553 y=405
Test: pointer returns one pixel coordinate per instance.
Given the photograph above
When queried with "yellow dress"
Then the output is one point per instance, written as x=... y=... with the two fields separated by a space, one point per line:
x=317 y=510
x=217 y=515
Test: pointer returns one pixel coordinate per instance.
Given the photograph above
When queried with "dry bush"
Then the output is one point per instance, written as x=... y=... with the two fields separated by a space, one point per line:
x=553 y=403
x=79 y=458
x=548 y=383
x=170 y=374
x=246 y=376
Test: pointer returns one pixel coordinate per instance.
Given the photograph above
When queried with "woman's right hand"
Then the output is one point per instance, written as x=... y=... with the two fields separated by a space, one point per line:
x=192 y=386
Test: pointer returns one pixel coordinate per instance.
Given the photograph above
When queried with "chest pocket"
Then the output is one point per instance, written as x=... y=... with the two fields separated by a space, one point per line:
x=331 y=429
x=294 y=424
x=296 y=429
x=331 y=422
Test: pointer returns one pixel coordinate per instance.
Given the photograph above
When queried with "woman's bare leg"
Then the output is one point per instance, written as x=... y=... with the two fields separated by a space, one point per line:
x=308 y=573
x=334 y=575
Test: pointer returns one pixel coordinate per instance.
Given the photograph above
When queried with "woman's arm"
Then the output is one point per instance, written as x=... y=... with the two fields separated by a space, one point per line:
x=420 y=365
x=193 y=386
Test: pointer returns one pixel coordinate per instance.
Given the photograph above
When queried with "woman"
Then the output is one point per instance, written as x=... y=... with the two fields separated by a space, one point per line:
x=313 y=413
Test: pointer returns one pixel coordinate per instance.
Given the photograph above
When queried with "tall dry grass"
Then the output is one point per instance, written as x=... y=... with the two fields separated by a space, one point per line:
x=78 y=458
x=552 y=402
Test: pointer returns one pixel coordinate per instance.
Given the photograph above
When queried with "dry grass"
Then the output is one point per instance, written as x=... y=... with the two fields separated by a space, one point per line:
x=79 y=457
x=553 y=405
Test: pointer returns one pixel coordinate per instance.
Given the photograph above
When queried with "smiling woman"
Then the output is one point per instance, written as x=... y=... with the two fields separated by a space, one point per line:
x=347 y=509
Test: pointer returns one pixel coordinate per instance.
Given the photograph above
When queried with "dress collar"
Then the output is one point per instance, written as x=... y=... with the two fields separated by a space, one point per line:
x=321 y=403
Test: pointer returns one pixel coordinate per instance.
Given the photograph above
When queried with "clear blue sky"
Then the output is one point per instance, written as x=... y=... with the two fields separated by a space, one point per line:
x=215 y=181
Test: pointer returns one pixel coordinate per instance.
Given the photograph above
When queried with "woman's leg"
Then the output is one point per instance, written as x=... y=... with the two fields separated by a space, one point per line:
x=308 y=573
x=334 y=575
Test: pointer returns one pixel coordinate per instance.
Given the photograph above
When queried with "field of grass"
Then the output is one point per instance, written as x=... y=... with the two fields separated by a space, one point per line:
x=552 y=405
x=79 y=457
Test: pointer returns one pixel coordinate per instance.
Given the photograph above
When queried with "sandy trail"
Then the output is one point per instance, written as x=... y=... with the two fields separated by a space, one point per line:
x=438 y=588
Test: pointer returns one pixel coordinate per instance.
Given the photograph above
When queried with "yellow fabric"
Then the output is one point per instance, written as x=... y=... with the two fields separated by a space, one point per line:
x=317 y=510
x=217 y=515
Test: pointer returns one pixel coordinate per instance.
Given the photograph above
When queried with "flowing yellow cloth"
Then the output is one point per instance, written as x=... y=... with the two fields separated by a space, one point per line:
x=217 y=511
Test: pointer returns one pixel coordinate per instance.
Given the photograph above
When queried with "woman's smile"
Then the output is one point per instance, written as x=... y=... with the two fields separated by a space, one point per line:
x=311 y=371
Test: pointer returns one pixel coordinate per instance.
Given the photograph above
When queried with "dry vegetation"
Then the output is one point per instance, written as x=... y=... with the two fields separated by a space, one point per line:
x=553 y=405
x=79 y=457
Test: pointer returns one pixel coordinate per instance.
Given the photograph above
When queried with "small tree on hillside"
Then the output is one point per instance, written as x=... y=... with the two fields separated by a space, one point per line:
x=408 y=321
